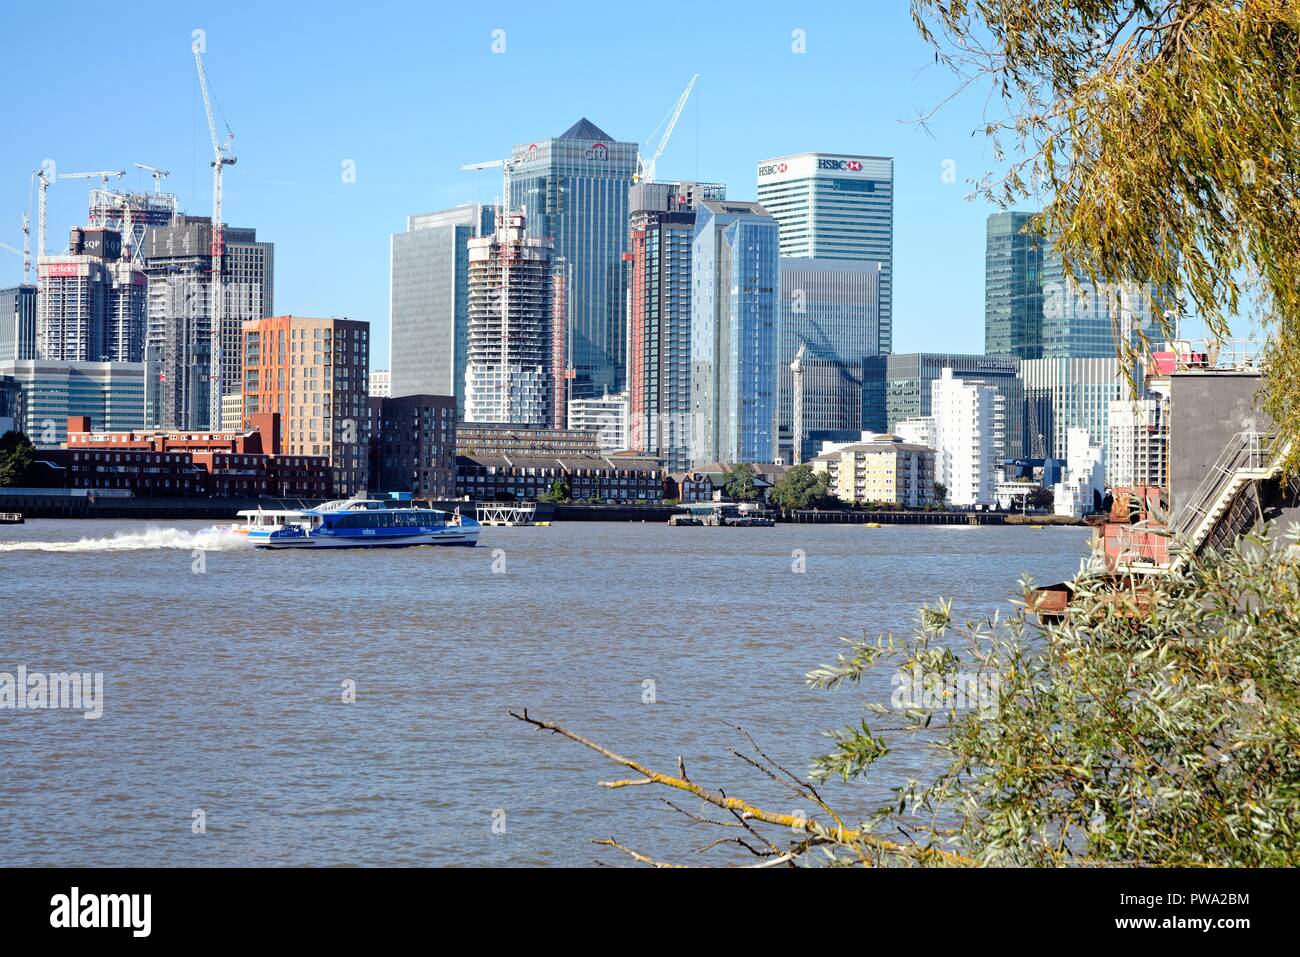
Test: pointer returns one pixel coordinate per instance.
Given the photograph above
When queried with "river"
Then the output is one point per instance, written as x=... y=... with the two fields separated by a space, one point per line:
x=225 y=672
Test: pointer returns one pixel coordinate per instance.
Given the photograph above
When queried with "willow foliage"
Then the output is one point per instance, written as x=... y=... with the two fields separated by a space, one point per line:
x=1165 y=136
x=1131 y=733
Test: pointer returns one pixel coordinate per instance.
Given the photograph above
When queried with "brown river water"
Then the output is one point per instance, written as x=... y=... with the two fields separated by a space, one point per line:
x=225 y=672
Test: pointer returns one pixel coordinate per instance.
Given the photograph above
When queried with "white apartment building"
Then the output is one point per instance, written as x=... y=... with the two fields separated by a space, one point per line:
x=918 y=430
x=969 y=436
x=1138 y=441
x=1085 y=472
x=606 y=416
x=381 y=384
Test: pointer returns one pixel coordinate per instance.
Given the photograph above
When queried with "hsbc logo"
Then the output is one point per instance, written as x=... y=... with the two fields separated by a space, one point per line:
x=772 y=169
x=851 y=166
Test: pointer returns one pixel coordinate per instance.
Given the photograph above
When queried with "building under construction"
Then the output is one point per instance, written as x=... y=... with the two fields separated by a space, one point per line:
x=131 y=215
x=178 y=263
x=91 y=307
x=510 y=372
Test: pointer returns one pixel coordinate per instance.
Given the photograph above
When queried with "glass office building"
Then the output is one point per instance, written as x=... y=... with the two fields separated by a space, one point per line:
x=1034 y=309
x=898 y=387
x=428 y=306
x=836 y=206
x=660 y=241
x=1013 y=287
x=18 y=323
x=735 y=333
x=1084 y=320
x=111 y=393
x=1063 y=394
x=830 y=317
x=574 y=191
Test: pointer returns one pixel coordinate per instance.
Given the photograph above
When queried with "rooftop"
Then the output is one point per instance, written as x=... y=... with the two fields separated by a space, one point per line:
x=584 y=129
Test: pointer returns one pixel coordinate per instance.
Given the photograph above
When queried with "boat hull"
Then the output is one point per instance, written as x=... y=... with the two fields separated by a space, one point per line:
x=315 y=541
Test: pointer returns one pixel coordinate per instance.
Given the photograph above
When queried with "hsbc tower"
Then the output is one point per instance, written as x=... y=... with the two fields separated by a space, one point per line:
x=835 y=206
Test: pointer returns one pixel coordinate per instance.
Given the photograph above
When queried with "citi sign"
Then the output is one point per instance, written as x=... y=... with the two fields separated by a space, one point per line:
x=852 y=166
x=598 y=151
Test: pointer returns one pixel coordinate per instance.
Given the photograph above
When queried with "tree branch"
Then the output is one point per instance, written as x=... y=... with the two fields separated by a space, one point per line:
x=851 y=838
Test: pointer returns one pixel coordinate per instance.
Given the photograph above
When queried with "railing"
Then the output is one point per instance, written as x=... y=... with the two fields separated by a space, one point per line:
x=66 y=492
x=1246 y=452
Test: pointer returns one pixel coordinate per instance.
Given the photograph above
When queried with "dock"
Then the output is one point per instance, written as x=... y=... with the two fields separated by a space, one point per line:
x=908 y=517
x=506 y=515
x=722 y=515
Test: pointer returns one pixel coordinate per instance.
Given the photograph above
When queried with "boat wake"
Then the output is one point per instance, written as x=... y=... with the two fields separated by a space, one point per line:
x=216 y=540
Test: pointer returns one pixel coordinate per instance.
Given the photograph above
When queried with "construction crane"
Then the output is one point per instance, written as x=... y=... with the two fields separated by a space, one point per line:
x=27 y=233
x=158 y=175
x=26 y=251
x=45 y=181
x=506 y=166
x=503 y=213
x=222 y=156
x=645 y=172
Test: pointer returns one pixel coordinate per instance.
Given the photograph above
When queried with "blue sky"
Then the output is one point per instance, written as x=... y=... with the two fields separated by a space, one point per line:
x=409 y=92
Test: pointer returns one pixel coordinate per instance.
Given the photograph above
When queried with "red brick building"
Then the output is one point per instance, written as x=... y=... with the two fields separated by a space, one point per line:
x=244 y=464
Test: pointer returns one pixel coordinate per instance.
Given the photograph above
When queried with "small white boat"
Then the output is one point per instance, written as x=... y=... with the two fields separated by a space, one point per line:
x=356 y=523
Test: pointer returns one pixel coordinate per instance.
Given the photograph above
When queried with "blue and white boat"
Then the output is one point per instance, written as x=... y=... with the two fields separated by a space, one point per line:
x=356 y=523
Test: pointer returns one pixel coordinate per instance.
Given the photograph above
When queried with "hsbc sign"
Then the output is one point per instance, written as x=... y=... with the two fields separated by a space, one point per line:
x=811 y=164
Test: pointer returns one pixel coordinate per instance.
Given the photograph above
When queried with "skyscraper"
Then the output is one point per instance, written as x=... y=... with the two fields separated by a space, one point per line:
x=72 y=307
x=574 y=190
x=1013 y=287
x=735 y=334
x=836 y=206
x=830 y=311
x=92 y=304
x=178 y=346
x=509 y=373
x=1086 y=320
x=249 y=289
x=429 y=300
x=662 y=230
x=1064 y=394
x=1034 y=309
x=18 y=323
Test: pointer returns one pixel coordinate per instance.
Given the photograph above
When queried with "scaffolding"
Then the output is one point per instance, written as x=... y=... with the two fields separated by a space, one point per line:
x=131 y=214
x=508 y=376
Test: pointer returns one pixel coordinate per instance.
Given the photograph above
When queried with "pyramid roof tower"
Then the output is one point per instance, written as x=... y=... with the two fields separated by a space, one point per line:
x=584 y=129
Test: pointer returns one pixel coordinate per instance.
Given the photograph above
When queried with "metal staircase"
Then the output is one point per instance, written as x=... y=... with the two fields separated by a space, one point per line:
x=1226 y=503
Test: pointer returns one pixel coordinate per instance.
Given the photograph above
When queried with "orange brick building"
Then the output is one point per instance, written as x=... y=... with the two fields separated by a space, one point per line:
x=313 y=373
